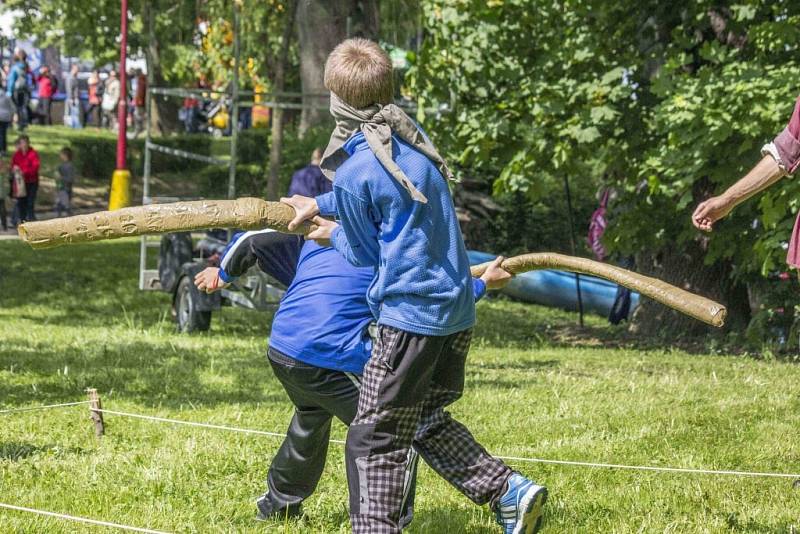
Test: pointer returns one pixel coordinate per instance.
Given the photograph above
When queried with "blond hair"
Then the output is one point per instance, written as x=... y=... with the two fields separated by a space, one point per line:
x=359 y=72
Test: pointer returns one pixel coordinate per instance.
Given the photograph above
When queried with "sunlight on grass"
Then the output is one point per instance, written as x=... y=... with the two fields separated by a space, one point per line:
x=72 y=318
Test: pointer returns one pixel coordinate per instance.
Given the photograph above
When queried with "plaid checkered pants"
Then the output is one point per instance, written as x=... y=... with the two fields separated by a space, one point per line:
x=407 y=382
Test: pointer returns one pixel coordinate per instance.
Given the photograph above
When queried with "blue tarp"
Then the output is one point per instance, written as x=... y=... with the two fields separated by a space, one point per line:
x=557 y=288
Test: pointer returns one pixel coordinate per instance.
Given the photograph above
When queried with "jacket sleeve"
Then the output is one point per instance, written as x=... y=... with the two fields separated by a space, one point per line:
x=357 y=236
x=479 y=288
x=237 y=258
x=327 y=204
x=276 y=254
x=35 y=161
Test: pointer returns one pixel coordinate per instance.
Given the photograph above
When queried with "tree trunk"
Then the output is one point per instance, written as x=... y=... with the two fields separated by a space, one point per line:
x=684 y=267
x=321 y=25
x=163 y=111
x=279 y=84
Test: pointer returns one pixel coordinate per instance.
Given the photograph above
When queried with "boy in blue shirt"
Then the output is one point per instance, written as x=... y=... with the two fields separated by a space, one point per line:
x=396 y=215
x=318 y=347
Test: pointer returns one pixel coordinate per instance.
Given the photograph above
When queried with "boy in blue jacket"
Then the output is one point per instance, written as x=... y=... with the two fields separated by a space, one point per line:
x=317 y=349
x=396 y=215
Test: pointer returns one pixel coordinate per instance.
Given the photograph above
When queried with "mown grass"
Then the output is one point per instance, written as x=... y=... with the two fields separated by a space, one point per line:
x=72 y=318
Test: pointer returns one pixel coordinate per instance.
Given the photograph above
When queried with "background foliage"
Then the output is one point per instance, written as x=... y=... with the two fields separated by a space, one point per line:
x=666 y=102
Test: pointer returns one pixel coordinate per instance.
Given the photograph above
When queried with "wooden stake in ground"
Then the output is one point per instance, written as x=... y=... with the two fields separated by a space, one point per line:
x=97 y=416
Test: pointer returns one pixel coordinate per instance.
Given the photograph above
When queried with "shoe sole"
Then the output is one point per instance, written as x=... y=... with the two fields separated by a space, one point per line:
x=531 y=520
x=261 y=518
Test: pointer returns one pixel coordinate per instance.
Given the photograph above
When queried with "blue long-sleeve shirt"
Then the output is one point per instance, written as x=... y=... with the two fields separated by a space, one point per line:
x=422 y=281
x=322 y=320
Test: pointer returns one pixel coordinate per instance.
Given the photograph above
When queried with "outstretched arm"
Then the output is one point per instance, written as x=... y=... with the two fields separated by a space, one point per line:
x=781 y=157
x=763 y=175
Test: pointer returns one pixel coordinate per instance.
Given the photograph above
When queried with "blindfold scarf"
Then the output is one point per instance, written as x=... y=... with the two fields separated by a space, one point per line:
x=377 y=122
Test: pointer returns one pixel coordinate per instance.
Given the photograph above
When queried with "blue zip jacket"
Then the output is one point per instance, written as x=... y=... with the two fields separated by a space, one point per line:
x=422 y=282
x=323 y=318
x=17 y=69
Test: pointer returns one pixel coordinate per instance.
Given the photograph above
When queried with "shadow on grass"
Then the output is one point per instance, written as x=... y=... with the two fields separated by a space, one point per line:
x=506 y=323
x=448 y=521
x=143 y=372
x=15 y=451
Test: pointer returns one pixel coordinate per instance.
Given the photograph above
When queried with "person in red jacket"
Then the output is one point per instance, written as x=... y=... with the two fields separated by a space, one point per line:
x=46 y=83
x=26 y=159
x=140 y=103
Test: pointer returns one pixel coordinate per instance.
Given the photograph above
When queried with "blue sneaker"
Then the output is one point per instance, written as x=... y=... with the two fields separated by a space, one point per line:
x=519 y=510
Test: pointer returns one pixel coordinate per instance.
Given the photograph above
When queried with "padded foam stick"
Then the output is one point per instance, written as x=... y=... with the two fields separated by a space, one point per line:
x=243 y=213
x=685 y=302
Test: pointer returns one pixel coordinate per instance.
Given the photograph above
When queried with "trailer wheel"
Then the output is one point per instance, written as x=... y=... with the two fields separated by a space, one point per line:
x=187 y=315
x=176 y=249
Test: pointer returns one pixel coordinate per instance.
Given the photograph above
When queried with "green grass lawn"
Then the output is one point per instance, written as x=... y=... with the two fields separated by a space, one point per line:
x=72 y=318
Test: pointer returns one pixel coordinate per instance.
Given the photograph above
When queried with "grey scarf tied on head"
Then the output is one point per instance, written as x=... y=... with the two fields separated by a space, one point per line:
x=377 y=123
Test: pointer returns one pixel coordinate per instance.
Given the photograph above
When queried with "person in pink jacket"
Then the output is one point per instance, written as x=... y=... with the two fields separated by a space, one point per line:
x=781 y=158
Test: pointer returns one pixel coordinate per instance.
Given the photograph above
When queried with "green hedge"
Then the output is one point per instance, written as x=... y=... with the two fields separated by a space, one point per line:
x=251 y=181
x=160 y=162
x=95 y=157
x=253 y=146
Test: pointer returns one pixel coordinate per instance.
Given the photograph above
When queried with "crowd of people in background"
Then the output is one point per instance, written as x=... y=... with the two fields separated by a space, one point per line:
x=87 y=101
x=27 y=97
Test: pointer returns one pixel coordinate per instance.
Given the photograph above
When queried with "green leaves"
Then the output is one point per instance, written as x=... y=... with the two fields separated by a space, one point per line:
x=655 y=98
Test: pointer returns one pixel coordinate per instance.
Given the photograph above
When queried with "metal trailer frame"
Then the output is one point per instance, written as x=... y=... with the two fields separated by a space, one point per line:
x=149 y=278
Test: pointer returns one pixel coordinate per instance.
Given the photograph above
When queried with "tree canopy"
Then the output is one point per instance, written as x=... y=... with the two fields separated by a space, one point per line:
x=668 y=102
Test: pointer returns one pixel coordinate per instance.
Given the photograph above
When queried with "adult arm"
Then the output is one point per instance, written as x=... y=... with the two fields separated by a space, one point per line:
x=326 y=204
x=760 y=177
x=781 y=157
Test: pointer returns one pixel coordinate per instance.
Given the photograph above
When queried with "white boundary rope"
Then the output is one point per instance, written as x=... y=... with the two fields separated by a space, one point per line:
x=654 y=468
x=81 y=519
x=46 y=407
x=191 y=423
x=509 y=458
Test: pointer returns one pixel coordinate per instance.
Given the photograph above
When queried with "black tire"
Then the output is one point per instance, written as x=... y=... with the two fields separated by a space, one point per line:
x=176 y=249
x=187 y=316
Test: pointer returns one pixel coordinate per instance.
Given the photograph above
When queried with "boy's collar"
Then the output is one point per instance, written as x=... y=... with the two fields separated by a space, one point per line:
x=351 y=144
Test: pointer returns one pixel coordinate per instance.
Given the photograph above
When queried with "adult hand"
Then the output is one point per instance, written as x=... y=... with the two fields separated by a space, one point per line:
x=709 y=212
x=208 y=280
x=304 y=209
x=495 y=277
x=322 y=234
